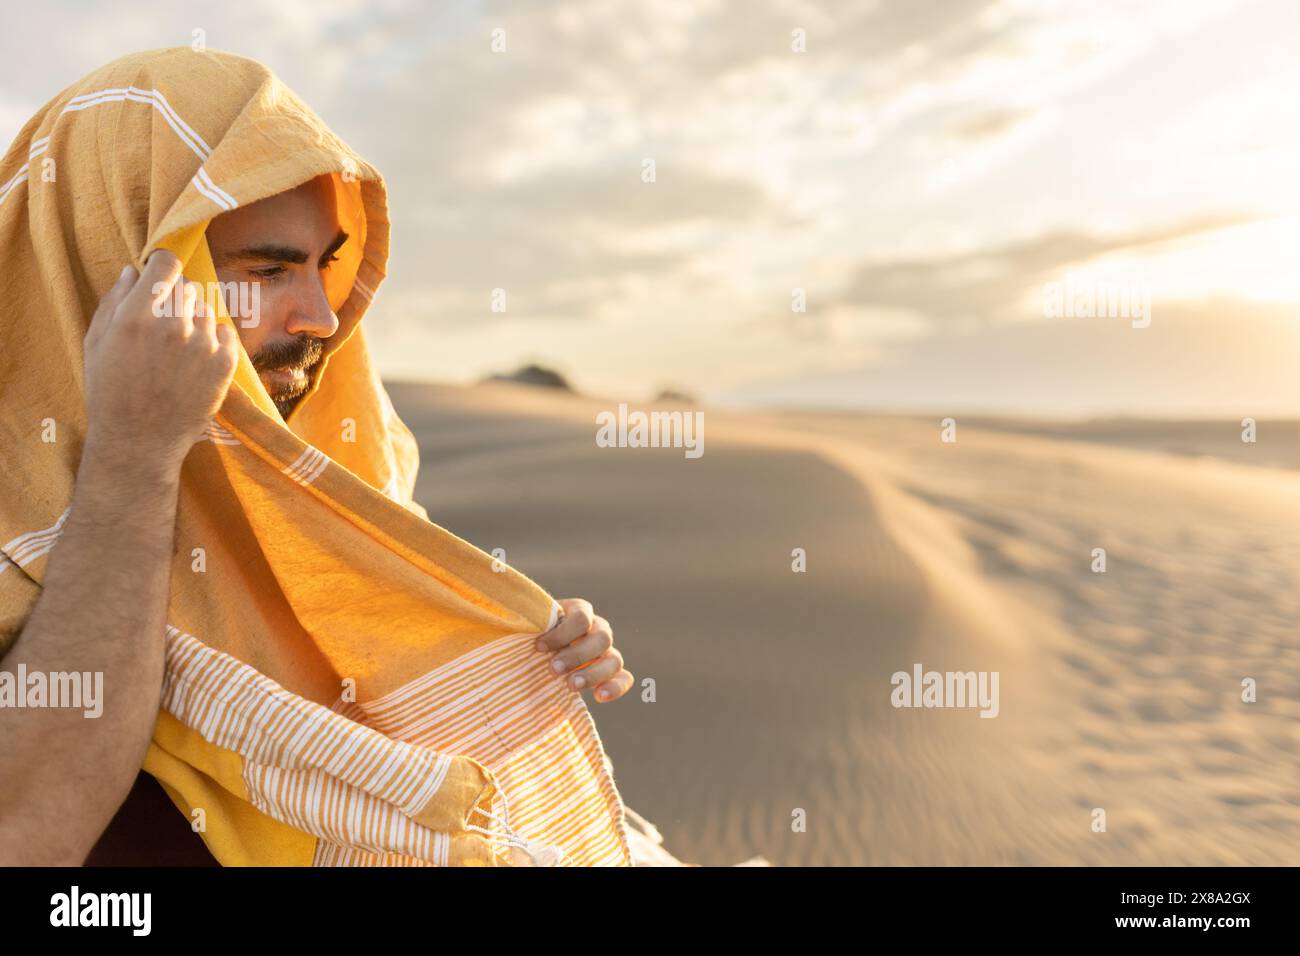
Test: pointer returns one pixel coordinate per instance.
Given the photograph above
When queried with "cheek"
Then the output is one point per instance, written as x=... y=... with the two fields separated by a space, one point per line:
x=250 y=339
x=244 y=301
x=261 y=314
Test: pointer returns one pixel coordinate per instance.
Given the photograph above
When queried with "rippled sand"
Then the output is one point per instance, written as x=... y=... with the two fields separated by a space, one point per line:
x=1119 y=691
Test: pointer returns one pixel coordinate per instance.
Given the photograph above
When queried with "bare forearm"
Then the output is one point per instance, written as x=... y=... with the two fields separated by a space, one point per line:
x=102 y=610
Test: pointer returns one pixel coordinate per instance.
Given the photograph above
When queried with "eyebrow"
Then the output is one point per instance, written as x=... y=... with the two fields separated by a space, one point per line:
x=278 y=253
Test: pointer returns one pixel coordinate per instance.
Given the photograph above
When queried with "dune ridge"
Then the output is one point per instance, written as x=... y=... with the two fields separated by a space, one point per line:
x=1119 y=691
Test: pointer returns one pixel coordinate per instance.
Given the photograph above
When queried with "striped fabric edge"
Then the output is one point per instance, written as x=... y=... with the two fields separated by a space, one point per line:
x=219 y=436
x=526 y=733
x=26 y=548
x=304 y=764
x=202 y=182
x=307 y=467
x=37 y=147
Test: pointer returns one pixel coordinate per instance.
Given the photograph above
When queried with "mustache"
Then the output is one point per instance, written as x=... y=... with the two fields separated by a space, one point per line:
x=301 y=352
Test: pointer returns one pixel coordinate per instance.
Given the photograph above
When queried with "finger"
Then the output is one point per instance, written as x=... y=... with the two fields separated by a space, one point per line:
x=201 y=316
x=194 y=290
x=589 y=647
x=228 y=339
x=577 y=620
x=104 y=313
x=177 y=310
x=189 y=299
x=156 y=282
x=615 y=687
x=602 y=670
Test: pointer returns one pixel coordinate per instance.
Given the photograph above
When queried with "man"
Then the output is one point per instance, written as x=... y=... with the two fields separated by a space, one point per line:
x=154 y=377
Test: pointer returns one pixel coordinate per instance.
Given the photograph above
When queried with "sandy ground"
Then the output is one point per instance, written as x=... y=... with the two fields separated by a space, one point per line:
x=1119 y=691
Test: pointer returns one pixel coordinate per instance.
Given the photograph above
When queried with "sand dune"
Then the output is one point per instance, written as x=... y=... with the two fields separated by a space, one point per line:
x=1118 y=691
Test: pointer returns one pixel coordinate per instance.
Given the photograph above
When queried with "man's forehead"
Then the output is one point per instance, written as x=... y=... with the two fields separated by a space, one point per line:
x=306 y=213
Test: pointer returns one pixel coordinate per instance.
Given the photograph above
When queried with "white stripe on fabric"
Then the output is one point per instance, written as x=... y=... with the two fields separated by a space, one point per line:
x=306 y=765
x=26 y=548
x=153 y=98
x=179 y=124
x=219 y=436
x=19 y=177
x=217 y=197
x=311 y=476
x=213 y=191
x=292 y=470
x=202 y=182
x=308 y=466
x=13 y=183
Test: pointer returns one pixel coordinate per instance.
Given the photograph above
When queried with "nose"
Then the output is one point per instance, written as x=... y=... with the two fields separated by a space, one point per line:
x=310 y=312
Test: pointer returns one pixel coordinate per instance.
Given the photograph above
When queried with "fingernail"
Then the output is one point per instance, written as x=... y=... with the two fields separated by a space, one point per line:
x=579 y=683
x=126 y=271
x=602 y=695
x=557 y=665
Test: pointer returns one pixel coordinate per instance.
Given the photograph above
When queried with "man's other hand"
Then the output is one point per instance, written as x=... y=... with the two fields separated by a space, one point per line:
x=584 y=654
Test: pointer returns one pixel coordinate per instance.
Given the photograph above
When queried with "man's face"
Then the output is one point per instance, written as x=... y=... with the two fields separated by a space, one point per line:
x=285 y=245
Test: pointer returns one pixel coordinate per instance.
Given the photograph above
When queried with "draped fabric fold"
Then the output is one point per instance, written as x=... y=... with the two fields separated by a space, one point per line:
x=346 y=682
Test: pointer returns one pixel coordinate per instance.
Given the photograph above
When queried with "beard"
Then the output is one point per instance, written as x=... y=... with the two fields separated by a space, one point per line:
x=288 y=404
x=302 y=352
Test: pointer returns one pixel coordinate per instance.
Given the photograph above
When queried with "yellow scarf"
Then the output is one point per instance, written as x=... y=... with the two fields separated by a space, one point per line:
x=346 y=683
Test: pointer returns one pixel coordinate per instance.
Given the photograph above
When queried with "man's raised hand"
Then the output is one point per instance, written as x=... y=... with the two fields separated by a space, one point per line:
x=156 y=372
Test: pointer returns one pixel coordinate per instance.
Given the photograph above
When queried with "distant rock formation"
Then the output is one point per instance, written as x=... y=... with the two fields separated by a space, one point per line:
x=534 y=375
x=672 y=395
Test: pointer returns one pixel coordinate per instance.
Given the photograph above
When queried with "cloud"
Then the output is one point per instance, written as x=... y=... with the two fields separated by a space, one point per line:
x=521 y=170
x=1212 y=358
x=981 y=285
x=988 y=124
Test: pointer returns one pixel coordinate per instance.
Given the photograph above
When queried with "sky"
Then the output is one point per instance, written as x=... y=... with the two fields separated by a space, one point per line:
x=854 y=204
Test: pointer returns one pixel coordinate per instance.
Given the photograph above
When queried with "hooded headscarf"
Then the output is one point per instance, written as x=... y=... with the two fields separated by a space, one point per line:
x=346 y=682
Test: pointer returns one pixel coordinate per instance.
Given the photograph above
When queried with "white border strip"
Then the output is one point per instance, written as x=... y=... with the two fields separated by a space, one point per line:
x=26 y=548
x=202 y=182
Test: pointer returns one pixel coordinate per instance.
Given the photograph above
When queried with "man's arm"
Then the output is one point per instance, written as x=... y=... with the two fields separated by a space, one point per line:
x=102 y=610
x=152 y=384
